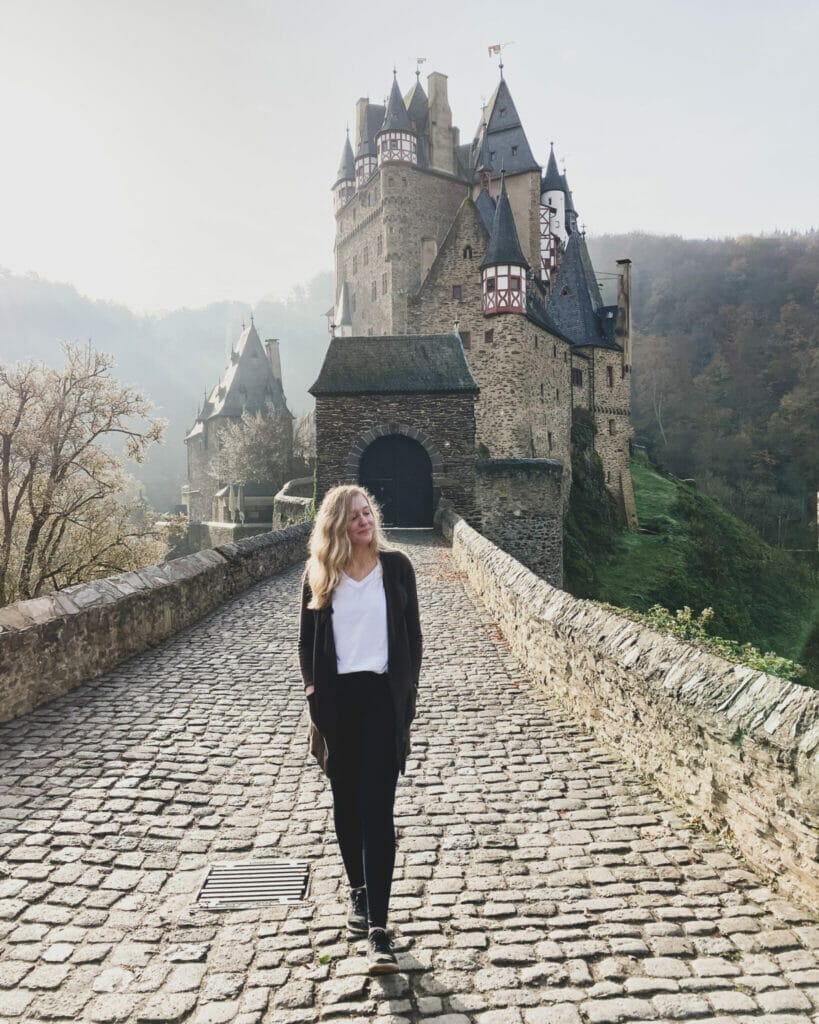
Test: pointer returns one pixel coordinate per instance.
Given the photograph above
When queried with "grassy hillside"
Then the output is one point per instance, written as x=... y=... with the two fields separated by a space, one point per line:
x=691 y=551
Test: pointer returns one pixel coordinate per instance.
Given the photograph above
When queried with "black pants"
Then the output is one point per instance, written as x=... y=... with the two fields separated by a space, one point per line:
x=363 y=775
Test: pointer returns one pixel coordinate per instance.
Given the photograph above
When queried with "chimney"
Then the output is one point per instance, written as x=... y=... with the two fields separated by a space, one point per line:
x=272 y=347
x=442 y=151
x=622 y=326
x=360 y=122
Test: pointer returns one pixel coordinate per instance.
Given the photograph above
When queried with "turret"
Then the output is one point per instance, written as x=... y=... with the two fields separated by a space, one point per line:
x=396 y=140
x=503 y=270
x=553 y=194
x=344 y=187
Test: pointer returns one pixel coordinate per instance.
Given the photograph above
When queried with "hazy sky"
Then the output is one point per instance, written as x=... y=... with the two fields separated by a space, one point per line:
x=164 y=153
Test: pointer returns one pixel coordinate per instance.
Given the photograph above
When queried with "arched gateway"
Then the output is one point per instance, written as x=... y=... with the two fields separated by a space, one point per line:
x=398 y=472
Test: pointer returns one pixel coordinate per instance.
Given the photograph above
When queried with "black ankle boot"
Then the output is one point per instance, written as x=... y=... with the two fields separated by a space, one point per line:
x=379 y=953
x=357 y=916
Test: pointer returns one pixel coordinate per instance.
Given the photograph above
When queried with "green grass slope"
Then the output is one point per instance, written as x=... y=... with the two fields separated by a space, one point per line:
x=693 y=553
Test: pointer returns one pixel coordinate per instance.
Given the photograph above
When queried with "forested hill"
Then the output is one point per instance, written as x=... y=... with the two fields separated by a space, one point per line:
x=726 y=369
x=172 y=357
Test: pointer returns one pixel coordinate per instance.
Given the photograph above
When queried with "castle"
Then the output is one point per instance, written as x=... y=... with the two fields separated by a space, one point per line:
x=251 y=384
x=438 y=240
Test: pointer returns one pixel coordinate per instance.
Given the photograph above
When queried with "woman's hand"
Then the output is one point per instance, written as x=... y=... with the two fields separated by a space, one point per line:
x=309 y=691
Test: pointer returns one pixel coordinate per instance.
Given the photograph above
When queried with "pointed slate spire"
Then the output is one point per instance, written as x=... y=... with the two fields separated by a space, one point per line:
x=486 y=208
x=505 y=136
x=417 y=105
x=504 y=245
x=346 y=168
x=552 y=180
x=396 y=117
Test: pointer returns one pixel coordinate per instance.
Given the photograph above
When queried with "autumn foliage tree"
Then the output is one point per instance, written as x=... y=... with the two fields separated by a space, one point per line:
x=64 y=514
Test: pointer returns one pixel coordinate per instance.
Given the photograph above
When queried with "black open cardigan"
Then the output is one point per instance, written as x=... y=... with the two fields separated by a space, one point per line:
x=317 y=658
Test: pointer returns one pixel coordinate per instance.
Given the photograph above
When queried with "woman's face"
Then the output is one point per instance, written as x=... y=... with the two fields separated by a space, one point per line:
x=360 y=526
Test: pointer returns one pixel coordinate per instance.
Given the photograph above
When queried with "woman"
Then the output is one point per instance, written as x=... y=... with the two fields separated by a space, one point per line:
x=360 y=656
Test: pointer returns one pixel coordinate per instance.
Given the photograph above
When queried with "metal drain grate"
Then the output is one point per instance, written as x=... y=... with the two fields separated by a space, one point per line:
x=254 y=883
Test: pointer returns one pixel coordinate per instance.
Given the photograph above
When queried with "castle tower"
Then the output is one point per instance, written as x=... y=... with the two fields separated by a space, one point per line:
x=553 y=233
x=503 y=270
x=344 y=186
x=396 y=141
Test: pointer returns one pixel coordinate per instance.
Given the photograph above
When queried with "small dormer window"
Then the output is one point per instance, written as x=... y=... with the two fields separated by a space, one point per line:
x=565 y=290
x=502 y=111
x=514 y=150
x=491 y=155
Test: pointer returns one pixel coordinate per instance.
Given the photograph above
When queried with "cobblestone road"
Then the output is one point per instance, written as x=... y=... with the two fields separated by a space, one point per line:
x=539 y=880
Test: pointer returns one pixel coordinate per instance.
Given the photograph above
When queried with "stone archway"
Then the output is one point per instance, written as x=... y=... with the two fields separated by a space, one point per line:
x=412 y=453
x=397 y=471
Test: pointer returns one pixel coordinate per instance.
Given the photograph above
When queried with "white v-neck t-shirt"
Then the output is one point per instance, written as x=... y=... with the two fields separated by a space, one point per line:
x=360 y=623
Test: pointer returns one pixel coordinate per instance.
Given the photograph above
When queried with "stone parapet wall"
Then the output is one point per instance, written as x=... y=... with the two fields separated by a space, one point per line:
x=214 y=534
x=740 y=747
x=293 y=503
x=49 y=645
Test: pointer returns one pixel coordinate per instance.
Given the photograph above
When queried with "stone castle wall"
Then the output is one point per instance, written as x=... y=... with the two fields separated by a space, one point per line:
x=524 y=373
x=50 y=644
x=522 y=511
x=611 y=409
x=381 y=231
x=741 y=748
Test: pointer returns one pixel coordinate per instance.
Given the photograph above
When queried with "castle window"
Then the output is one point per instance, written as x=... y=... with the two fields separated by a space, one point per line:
x=384 y=284
x=380 y=245
x=541 y=392
x=467 y=252
x=490 y=284
x=374 y=292
x=611 y=427
x=366 y=255
x=608 y=476
x=491 y=155
x=456 y=291
x=514 y=283
x=488 y=337
x=549 y=433
x=554 y=350
x=535 y=344
x=557 y=394
x=503 y=111
x=565 y=290
x=514 y=150
x=466 y=339
x=577 y=377
x=610 y=376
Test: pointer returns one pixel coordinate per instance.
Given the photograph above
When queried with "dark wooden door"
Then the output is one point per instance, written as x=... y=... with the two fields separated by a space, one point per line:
x=398 y=473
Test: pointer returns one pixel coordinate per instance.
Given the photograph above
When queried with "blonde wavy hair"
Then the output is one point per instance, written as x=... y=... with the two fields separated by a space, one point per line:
x=330 y=546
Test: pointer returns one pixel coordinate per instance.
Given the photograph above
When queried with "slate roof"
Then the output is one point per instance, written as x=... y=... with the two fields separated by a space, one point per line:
x=395 y=364
x=553 y=180
x=346 y=168
x=395 y=116
x=247 y=385
x=342 y=311
x=417 y=106
x=576 y=313
x=486 y=207
x=504 y=245
x=537 y=312
x=508 y=146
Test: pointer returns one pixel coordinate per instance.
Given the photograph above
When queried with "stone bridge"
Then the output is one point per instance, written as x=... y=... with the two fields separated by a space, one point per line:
x=540 y=878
